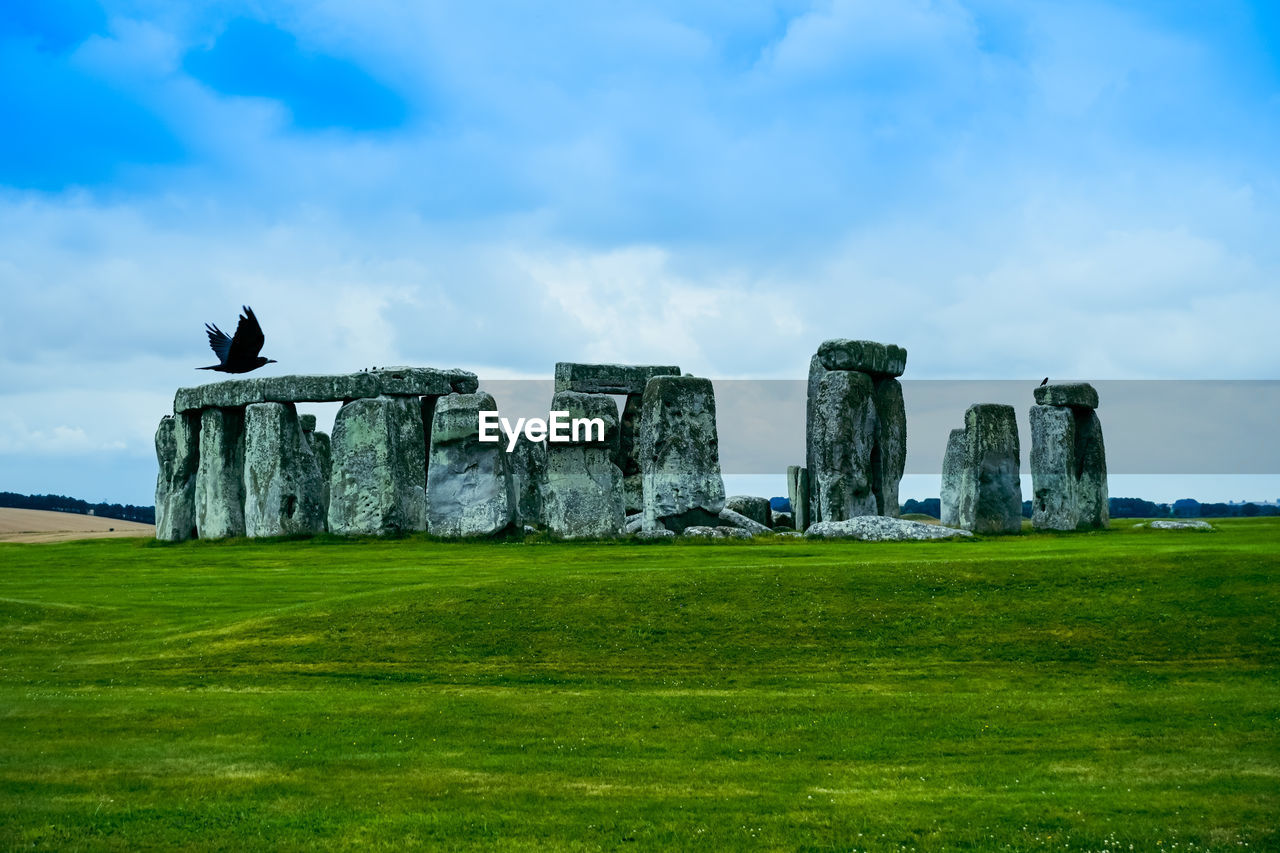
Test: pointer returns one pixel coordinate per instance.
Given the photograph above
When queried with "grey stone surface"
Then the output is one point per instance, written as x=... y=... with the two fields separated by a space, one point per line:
x=798 y=494
x=952 y=476
x=874 y=528
x=582 y=405
x=863 y=356
x=783 y=520
x=990 y=498
x=608 y=378
x=377 y=486
x=843 y=436
x=634 y=524
x=816 y=372
x=679 y=453
x=890 y=456
x=283 y=492
x=322 y=450
x=469 y=487
x=178 y=456
x=399 y=381
x=1053 y=469
x=1079 y=395
x=307 y=423
x=702 y=531
x=528 y=464
x=656 y=533
x=220 y=477
x=755 y=508
x=627 y=459
x=731 y=518
x=582 y=497
x=1068 y=469
x=1191 y=524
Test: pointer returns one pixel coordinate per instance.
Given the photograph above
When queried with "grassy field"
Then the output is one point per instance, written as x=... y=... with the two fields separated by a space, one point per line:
x=1109 y=691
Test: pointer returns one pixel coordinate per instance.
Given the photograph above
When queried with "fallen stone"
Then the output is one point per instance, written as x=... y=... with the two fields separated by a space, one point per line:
x=394 y=382
x=741 y=522
x=890 y=458
x=1193 y=524
x=679 y=453
x=875 y=528
x=377 y=486
x=220 y=477
x=1080 y=395
x=283 y=489
x=863 y=356
x=990 y=498
x=635 y=523
x=843 y=436
x=952 y=477
x=798 y=491
x=469 y=488
x=754 y=508
x=619 y=379
x=783 y=520
x=702 y=531
x=178 y=455
x=729 y=532
x=658 y=533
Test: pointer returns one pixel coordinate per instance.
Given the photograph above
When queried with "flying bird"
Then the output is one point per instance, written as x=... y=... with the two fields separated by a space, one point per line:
x=238 y=354
x=1045 y=382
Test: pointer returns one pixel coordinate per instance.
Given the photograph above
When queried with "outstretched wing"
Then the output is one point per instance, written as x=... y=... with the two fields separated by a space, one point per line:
x=218 y=342
x=248 y=339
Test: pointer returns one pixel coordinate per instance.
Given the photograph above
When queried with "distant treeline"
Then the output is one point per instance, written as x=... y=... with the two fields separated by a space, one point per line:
x=1134 y=508
x=61 y=503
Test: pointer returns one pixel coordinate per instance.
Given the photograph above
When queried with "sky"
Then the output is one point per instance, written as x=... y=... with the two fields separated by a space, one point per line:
x=1008 y=190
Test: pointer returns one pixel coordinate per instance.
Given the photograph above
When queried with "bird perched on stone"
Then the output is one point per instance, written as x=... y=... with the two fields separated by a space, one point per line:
x=238 y=354
x=1045 y=382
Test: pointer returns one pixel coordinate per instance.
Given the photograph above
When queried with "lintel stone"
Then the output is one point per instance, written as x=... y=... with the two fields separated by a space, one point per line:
x=327 y=388
x=608 y=378
x=1077 y=395
x=863 y=356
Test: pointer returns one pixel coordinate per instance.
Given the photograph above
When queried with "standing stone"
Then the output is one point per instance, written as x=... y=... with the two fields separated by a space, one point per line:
x=990 y=489
x=220 y=479
x=377 y=484
x=754 y=508
x=680 y=454
x=583 y=495
x=322 y=449
x=890 y=454
x=178 y=455
x=1053 y=469
x=469 y=488
x=1091 y=488
x=843 y=437
x=816 y=372
x=798 y=494
x=627 y=460
x=952 y=477
x=528 y=465
x=283 y=492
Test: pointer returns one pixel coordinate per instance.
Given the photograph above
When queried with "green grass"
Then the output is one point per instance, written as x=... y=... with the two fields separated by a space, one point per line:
x=1080 y=692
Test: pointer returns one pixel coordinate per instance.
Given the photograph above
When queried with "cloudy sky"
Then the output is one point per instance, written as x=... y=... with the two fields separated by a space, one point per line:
x=1081 y=189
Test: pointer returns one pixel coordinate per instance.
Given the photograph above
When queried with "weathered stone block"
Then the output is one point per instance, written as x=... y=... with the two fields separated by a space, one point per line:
x=890 y=454
x=798 y=494
x=583 y=493
x=680 y=453
x=469 y=486
x=843 y=437
x=1053 y=469
x=283 y=491
x=734 y=519
x=990 y=489
x=178 y=455
x=952 y=477
x=872 y=528
x=608 y=378
x=220 y=478
x=377 y=486
x=1092 y=494
x=528 y=464
x=754 y=508
x=399 y=381
x=863 y=356
x=1079 y=395
x=816 y=372
x=589 y=406
x=627 y=460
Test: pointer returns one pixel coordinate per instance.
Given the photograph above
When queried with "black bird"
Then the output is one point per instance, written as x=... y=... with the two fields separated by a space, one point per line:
x=1045 y=382
x=240 y=353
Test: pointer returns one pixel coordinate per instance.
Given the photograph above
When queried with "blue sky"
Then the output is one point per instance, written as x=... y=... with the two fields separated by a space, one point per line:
x=1006 y=189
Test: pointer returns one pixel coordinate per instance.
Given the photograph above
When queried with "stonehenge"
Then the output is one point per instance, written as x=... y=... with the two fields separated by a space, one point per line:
x=855 y=434
x=1068 y=459
x=412 y=450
